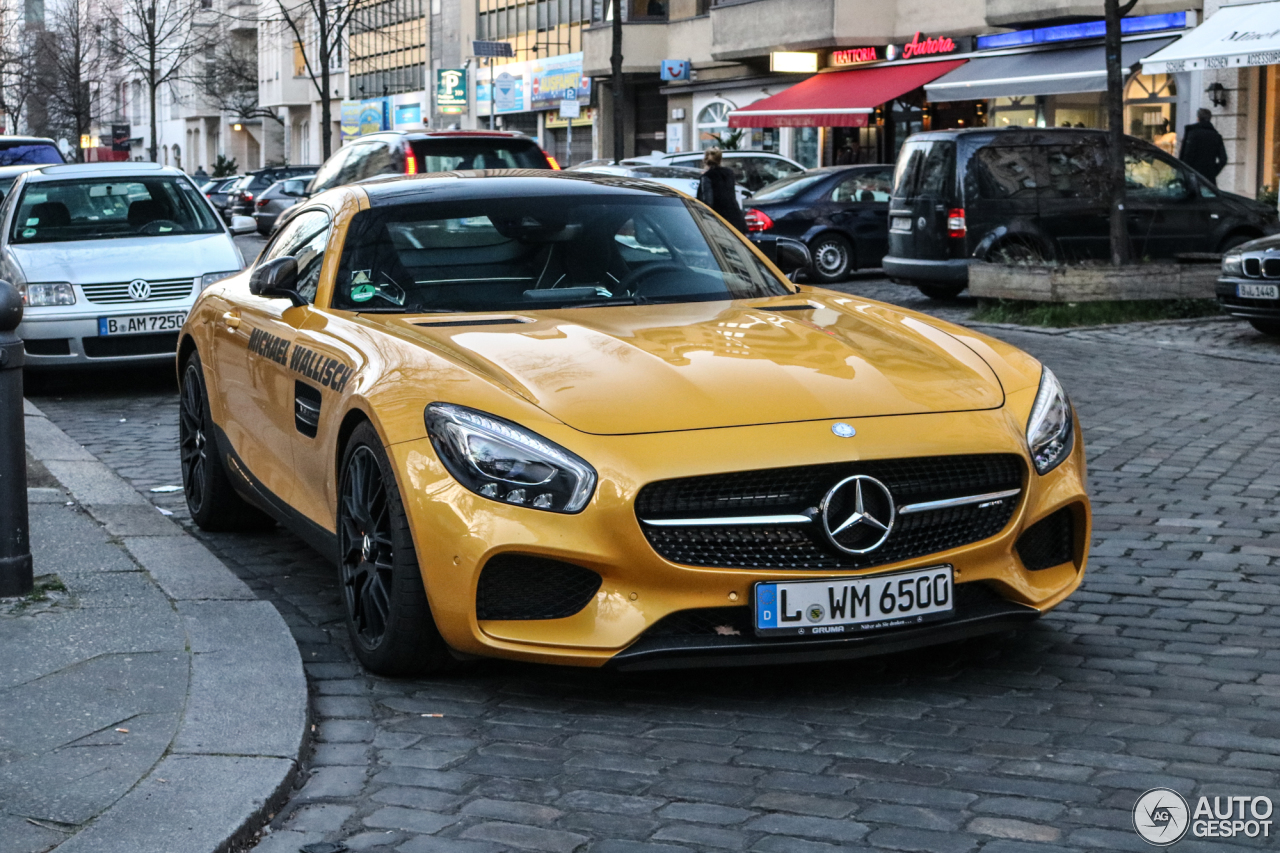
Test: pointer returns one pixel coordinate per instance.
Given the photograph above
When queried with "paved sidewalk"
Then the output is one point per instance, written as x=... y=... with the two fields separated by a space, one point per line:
x=149 y=702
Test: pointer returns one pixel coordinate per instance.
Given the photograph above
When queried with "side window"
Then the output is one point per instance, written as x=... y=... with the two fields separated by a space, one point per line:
x=356 y=166
x=1000 y=172
x=1076 y=171
x=863 y=187
x=305 y=238
x=1148 y=177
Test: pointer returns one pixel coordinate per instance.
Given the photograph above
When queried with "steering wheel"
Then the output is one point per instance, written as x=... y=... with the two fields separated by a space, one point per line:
x=628 y=282
x=153 y=227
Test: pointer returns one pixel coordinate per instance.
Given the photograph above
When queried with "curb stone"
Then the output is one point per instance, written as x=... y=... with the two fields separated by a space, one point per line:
x=235 y=755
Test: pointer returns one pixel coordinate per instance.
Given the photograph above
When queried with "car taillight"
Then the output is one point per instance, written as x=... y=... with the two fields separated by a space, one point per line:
x=247 y=196
x=410 y=163
x=554 y=163
x=955 y=222
x=262 y=202
x=758 y=220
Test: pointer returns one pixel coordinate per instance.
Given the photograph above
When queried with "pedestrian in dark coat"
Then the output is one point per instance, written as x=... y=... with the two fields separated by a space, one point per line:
x=717 y=190
x=1202 y=147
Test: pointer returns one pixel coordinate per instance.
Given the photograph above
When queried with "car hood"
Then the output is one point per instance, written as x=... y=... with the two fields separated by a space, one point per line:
x=660 y=368
x=127 y=258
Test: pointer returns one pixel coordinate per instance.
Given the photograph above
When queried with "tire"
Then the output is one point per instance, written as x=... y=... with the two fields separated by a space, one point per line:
x=833 y=258
x=211 y=499
x=388 y=617
x=941 y=291
x=1267 y=327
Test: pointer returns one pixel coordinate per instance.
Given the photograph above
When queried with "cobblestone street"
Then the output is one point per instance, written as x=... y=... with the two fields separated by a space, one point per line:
x=1163 y=670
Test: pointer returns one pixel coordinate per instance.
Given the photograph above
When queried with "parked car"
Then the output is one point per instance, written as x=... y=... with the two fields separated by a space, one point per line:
x=242 y=197
x=402 y=152
x=218 y=191
x=29 y=151
x=9 y=174
x=753 y=169
x=1250 y=284
x=1031 y=194
x=840 y=212
x=677 y=177
x=109 y=257
x=276 y=199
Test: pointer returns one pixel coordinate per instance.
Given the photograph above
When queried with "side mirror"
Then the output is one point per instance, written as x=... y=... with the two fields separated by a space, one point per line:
x=788 y=255
x=243 y=225
x=277 y=279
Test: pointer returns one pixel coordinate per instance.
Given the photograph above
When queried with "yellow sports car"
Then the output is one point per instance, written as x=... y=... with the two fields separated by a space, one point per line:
x=580 y=420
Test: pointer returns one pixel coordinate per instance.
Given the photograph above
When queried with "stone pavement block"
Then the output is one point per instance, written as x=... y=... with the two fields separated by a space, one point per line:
x=922 y=840
x=20 y=835
x=434 y=844
x=241 y=703
x=287 y=841
x=66 y=538
x=186 y=570
x=93 y=483
x=820 y=828
x=528 y=837
x=319 y=818
x=133 y=520
x=410 y=820
x=334 y=782
x=203 y=800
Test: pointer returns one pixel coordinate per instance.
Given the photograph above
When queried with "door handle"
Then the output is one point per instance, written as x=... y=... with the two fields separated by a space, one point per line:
x=232 y=319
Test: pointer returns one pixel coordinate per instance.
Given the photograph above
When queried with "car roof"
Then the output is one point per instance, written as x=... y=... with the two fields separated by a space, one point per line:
x=22 y=140
x=503 y=183
x=6 y=171
x=1012 y=130
x=442 y=134
x=101 y=170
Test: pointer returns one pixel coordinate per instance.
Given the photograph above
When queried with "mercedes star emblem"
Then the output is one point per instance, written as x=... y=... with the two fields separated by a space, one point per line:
x=858 y=514
x=139 y=290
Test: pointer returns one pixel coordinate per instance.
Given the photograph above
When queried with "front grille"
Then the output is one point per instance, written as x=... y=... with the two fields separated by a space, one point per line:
x=165 y=343
x=1252 y=267
x=117 y=292
x=519 y=586
x=799 y=490
x=1049 y=542
x=1271 y=267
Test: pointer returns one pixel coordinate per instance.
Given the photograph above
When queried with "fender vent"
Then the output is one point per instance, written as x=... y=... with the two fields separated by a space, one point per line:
x=520 y=586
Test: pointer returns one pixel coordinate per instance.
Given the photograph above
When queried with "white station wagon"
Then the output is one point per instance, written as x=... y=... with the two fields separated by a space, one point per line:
x=109 y=257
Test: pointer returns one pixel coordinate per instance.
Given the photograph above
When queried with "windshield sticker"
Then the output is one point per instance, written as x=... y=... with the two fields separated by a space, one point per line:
x=33 y=220
x=360 y=276
x=28 y=232
x=362 y=292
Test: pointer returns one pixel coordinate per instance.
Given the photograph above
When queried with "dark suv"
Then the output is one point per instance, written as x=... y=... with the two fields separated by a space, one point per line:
x=402 y=152
x=1041 y=194
x=243 y=193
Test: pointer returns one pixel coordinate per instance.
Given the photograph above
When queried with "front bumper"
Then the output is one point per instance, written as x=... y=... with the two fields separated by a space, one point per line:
x=1236 y=306
x=913 y=270
x=72 y=339
x=622 y=624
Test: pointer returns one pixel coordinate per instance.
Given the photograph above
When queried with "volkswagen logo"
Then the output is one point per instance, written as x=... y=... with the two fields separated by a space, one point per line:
x=139 y=290
x=858 y=514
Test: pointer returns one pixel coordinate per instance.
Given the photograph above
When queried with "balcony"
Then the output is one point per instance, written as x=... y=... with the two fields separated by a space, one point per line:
x=242 y=16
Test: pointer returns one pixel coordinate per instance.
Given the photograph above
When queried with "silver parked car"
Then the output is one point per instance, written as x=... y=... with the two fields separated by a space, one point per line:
x=108 y=258
x=278 y=198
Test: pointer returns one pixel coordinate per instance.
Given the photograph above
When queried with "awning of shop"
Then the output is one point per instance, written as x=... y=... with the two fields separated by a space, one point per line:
x=1043 y=72
x=1234 y=36
x=839 y=98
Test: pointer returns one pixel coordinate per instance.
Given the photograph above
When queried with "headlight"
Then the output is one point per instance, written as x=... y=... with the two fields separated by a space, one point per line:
x=504 y=462
x=1049 y=432
x=210 y=277
x=1233 y=263
x=46 y=294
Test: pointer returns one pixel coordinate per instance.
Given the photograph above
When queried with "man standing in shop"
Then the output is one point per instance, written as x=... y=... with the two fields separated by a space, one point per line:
x=1202 y=147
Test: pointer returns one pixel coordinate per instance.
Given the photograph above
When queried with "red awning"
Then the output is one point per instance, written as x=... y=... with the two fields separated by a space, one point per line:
x=839 y=98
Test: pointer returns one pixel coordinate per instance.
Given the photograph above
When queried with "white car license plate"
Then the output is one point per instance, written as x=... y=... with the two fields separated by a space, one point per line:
x=140 y=324
x=901 y=223
x=1258 y=291
x=852 y=605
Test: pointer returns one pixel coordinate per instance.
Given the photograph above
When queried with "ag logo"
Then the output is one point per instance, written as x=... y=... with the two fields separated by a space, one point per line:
x=1160 y=816
x=139 y=290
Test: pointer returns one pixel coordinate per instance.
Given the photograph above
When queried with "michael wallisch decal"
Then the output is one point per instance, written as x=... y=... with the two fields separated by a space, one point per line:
x=329 y=372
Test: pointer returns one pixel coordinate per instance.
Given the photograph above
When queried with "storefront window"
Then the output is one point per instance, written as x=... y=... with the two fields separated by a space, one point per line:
x=1269 y=162
x=805 y=140
x=1012 y=112
x=713 y=125
x=1150 y=110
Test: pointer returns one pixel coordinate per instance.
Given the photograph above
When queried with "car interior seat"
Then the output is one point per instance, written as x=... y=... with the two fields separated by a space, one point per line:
x=51 y=213
x=147 y=210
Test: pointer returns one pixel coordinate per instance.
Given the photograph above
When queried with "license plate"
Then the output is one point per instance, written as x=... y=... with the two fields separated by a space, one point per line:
x=853 y=605
x=140 y=325
x=1258 y=291
x=901 y=223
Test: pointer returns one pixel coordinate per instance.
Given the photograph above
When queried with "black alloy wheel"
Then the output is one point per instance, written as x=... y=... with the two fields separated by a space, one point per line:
x=388 y=617
x=192 y=440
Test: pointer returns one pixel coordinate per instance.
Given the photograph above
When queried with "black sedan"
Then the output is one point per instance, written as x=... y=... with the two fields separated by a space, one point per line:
x=840 y=212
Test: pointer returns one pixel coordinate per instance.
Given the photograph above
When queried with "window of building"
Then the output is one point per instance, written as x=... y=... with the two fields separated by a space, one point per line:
x=713 y=124
x=1151 y=110
x=1269 y=134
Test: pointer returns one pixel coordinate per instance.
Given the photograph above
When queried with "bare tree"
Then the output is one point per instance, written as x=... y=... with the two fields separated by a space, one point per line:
x=1121 y=249
x=329 y=20
x=155 y=39
x=69 y=66
x=19 y=77
x=230 y=80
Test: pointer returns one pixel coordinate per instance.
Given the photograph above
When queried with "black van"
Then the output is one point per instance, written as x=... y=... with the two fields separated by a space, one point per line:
x=1030 y=194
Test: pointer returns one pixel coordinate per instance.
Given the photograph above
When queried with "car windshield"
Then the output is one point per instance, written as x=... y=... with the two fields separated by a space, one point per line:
x=787 y=188
x=535 y=252
x=106 y=208
x=29 y=154
x=445 y=154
